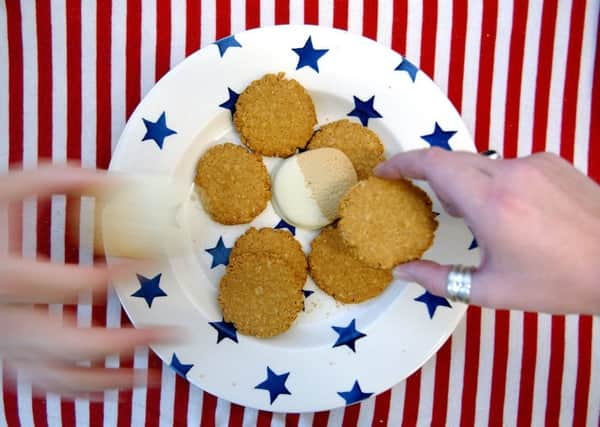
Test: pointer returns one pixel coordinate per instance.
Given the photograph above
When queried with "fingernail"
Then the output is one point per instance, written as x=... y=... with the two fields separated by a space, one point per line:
x=400 y=273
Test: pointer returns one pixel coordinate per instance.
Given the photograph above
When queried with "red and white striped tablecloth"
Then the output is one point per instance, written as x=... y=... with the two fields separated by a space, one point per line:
x=525 y=76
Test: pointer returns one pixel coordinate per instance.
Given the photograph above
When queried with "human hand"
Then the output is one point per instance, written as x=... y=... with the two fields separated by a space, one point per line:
x=49 y=350
x=536 y=220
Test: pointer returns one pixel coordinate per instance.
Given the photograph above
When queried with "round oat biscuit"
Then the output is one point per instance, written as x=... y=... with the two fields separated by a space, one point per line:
x=279 y=243
x=385 y=223
x=233 y=184
x=360 y=144
x=259 y=295
x=275 y=116
x=338 y=273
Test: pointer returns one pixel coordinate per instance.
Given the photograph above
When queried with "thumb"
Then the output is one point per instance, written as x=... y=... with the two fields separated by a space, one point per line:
x=431 y=275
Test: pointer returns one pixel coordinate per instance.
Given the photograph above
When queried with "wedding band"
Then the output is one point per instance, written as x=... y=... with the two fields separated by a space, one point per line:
x=458 y=284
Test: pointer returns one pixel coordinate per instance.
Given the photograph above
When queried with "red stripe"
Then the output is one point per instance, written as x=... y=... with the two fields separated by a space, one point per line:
x=74 y=79
x=252 y=14
x=584 y=374
x=457 y=47
x=320 y=419
x=530 y=331
x=125 y=396
x=103 y=75
x=428 y=33
x=11 y=408
x=223 y=19
x=500 y=363
x=441 y=384
x=193 y=17
x=381 y=412
x=471 y=367
x=132 y=56
x=544 y=70
x=569 y=107
x=180 y=409
x=370 y=18
x=351 y=414
x=399 y=26
x=15 y=82
x=153 y=394
x=513 y=86
x=209 y=408
x=264 y=419
x=282 y=12
x=340 y=14
x=292 y=420
x=311 y=12
x=411 y=400
x=236 y=415
x=486 y=71
x=163 y=38
x=555 y=372
x=594 y=138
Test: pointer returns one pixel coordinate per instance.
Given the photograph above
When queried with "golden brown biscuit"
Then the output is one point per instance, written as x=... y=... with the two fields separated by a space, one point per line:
x=275 y=116
x=360 y=144
x=259 y=295
x=338 y=273
x=279 y=243
x=233 y=184
x=385 y=223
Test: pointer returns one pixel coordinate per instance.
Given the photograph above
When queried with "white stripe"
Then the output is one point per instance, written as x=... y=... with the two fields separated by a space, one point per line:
x=148 y=46
x=413 y=31
x=267 y=13
x=500 y=77
x=24 y=402
x=385 y=22
x=586 y=75
x=296 y=12
x=222 y=412
x=117 y=69
x=425 y=409
x=457 y=366
x=238 y=17
x=113 y=320
x=367 y=410
x=486 y=363
x=557 y=78
x=530 y=63
x=471 y=73
x=178 y=31
x=594 y=394
x=513 y=367
x=326 y=13
x=540 y=387
x=250 y=416
x=167 y=396
x=278 y=419
x=138 y=396
x=111 y=399
x=2 y=411
x=306 y=419
x=397 y=404
x=567 y=402
x=442 y=44
x=59 y=82
x=208 y=22
x=194 y=412
x=336 y=417
x=355 y=16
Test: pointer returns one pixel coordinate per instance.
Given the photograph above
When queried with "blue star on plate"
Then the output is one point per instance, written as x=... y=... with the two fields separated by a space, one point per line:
x=220 y=254
x=230 y=103
x=409 y=67
x=224 y=330
x=364 y=110
x=226 y=43
x=157 y=130
x=354 y=395
x=181 y=368
x=284 y=224
x=348 y=335
x=308 y=56
x=274 y=384
x=432 y=302
x=439 y=137
x=149 y=289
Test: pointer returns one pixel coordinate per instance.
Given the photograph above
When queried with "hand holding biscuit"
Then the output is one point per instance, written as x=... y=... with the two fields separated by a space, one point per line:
x=536 y=220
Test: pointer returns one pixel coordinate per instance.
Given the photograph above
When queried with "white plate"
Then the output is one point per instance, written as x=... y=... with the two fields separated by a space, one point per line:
x=320 y=363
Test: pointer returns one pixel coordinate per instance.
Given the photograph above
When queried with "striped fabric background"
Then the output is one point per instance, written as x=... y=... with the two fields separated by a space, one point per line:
x=524 y=74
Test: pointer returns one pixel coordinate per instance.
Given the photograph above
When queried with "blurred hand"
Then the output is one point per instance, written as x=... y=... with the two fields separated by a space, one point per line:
x=536 y=220
x=49 y=350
